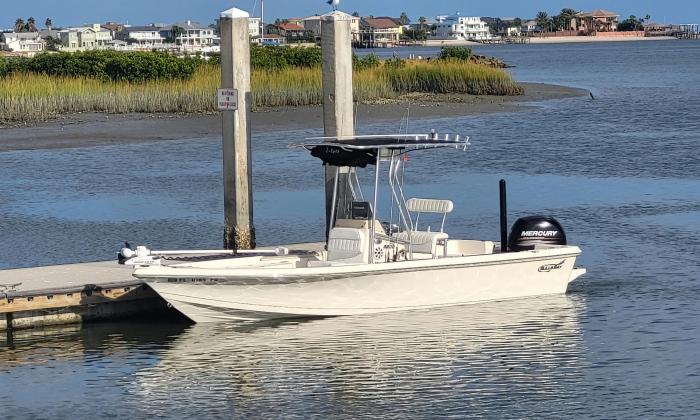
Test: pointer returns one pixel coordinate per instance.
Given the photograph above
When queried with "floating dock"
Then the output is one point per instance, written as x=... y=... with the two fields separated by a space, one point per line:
x=72 y=293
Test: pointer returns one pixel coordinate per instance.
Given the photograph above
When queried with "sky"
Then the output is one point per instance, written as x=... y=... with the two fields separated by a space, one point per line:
x=139 y=12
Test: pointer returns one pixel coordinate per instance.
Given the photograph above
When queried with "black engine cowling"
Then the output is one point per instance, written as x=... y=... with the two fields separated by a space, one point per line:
x=532 y=230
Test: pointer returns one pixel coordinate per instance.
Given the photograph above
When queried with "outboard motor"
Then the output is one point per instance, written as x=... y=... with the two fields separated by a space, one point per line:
x=533 y=230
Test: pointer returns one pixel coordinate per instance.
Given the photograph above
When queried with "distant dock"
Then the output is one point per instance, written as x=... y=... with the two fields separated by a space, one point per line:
x=508 y=40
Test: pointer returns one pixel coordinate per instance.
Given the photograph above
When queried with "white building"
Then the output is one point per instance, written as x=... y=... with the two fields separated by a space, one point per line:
x=24 y=42
x=461 y=27
x=194 y=35
x=529 y=27
x=149 y=36
x=254 y=27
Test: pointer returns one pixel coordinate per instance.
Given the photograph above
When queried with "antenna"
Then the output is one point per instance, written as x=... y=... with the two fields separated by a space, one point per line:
x=408 y=116
x=354 y=123
x=405 y=116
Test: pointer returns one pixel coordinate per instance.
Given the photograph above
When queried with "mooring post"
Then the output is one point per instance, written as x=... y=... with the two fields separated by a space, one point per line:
x=503 y=212
x=239 y=232
x=336 y=45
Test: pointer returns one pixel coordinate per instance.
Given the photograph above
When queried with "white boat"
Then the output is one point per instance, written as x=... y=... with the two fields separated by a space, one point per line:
x=366 y=265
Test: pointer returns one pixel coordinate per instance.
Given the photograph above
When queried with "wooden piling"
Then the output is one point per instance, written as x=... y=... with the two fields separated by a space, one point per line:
x=336 y=45
x=239 y=232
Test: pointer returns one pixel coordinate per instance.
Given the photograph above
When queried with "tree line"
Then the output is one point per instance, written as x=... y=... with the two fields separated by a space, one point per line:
x=30 y=25
x=562 y=21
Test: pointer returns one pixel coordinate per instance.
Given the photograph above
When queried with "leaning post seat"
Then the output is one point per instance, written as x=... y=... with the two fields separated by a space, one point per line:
x=425 y=241
x=348 y=245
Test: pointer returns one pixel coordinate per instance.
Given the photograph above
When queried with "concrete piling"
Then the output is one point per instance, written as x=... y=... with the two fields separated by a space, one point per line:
x=336 y=45
x=239 y=232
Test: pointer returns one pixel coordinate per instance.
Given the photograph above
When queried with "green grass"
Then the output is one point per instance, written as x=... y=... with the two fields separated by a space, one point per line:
x=26 y=97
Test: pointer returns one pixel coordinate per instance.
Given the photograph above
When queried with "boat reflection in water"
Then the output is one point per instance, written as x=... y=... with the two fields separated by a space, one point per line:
x=519 y=356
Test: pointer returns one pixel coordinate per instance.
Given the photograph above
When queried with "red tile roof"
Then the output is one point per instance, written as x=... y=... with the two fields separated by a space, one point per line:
x=290 y=27
x=600 y=13
x=380 y=23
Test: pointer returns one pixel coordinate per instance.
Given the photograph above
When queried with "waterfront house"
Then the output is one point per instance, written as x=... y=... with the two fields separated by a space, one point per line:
x=530 y=27
x=599 y=20
x=191 y=35
x=313 y=25
x=28 y=43
x=292 y=32
x=113 y=28
x=461 y=27
x=379 y=32
x=254 y=28
x=512 y=31
x=84 y=38
x=150 y=36
x=295 y=21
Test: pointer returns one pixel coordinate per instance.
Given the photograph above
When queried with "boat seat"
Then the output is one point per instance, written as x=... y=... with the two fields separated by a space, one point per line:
x=429 y=205
x=348 y=245
x=422 y=241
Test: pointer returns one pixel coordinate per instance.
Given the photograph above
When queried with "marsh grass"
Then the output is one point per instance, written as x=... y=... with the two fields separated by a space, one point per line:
x=36 y=97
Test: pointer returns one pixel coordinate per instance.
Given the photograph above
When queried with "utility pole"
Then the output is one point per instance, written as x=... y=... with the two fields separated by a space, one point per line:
x=262 y=19
x=234 y=100
x=336 y=45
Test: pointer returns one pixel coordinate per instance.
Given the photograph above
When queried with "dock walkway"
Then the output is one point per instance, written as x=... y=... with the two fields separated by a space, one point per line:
x=62 y=294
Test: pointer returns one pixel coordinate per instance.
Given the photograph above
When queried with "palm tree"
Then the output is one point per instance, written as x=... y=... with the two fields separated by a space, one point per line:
x=31 y=25
x=404 y=19
x=566 y=16
x=48 y=23
x=542 y=20
x=175 y=32
x=422 y=21
x=19 y=25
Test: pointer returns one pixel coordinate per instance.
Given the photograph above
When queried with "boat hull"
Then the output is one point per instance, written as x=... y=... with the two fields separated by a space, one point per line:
x=330 y=291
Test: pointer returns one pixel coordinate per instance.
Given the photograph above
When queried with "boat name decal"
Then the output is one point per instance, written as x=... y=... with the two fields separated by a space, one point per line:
x=549 y=267
x=543 y=233
x=193 y=280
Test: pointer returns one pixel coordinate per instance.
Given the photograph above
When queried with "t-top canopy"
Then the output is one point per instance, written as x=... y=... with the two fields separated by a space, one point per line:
x=362 y=150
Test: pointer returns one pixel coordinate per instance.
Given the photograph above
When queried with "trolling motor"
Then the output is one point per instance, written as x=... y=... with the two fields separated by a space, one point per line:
x=140 y=256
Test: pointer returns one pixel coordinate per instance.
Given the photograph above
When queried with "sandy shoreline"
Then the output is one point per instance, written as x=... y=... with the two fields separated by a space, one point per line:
x=552 y=40
x=586 y=39
x=93 y=129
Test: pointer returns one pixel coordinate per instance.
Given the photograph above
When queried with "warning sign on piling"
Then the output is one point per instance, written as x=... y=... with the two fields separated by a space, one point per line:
x=227 y=99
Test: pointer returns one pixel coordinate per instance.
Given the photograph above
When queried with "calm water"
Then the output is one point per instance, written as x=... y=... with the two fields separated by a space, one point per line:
x=622 y=173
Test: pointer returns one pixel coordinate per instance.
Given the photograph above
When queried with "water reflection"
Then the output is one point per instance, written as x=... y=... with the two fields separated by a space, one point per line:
x=518 y=355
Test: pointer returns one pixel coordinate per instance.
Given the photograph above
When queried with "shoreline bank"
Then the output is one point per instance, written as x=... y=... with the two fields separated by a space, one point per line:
x=548 y=40
x=94 y=129
x=587 y=39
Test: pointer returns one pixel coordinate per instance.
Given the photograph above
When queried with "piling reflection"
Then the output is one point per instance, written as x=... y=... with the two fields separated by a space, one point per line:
x=526 y=351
